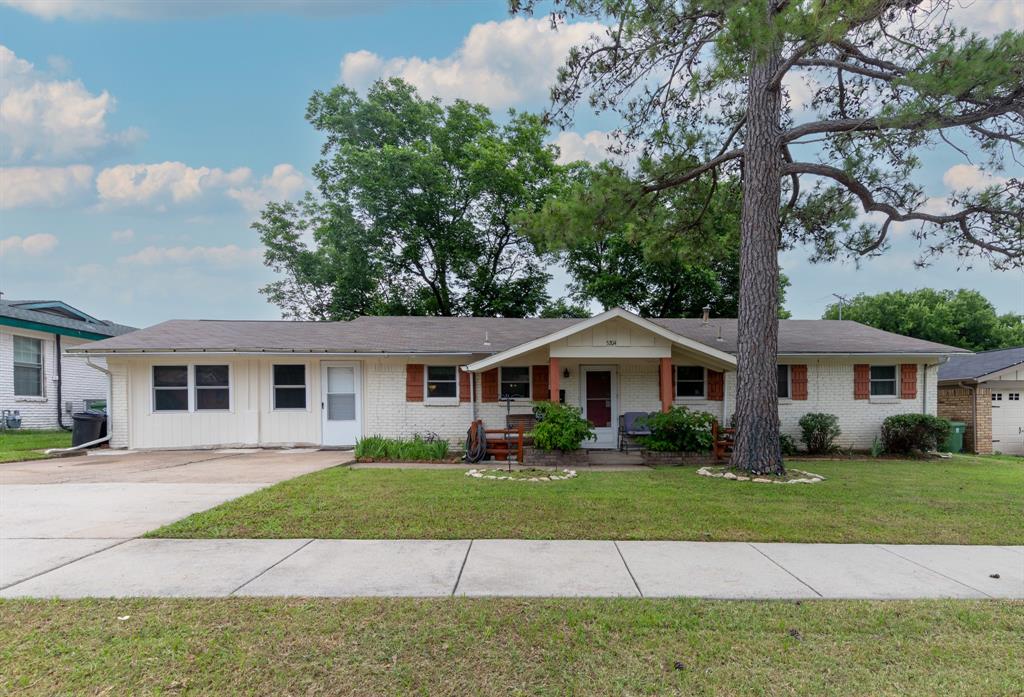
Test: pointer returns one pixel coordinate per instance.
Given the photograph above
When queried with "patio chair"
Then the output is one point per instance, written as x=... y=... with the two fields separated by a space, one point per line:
x=631 y=425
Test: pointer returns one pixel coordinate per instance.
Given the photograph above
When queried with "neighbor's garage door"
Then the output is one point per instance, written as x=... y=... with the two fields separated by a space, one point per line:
x=1008 y=421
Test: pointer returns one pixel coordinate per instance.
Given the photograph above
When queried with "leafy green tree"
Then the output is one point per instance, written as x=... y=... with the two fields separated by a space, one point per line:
x=562 y=308
x=413 y=212
x=963 y=318
x=706 y=87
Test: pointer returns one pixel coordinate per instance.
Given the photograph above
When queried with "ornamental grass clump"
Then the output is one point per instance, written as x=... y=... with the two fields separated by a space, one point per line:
x=678 y=430
x=415 y=449
x=560 y=427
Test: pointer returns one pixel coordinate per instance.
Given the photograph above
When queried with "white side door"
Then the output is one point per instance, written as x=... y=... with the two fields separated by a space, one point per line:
x=341 y=403
x=1008 y=420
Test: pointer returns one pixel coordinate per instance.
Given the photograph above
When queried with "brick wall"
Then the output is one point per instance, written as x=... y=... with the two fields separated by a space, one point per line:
x=957 y=404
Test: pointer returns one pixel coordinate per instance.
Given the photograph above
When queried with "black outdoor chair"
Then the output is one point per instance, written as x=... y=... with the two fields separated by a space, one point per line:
x=631 y=425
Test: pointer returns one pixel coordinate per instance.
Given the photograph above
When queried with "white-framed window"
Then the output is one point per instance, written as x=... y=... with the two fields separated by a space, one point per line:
x=883 y=381
x=290 y=386
x=212 y=387
x=170 y=388
x=1013 y=396
x=515 y=382
x=28 y=367
x=690 y=381
x=442 y=382
x=785 y=382
x=997 y=396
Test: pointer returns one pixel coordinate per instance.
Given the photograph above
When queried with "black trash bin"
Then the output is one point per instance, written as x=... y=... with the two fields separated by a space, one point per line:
x=89 y=426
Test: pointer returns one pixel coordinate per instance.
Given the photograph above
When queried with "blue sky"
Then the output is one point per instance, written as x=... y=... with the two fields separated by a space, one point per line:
x=139 y=139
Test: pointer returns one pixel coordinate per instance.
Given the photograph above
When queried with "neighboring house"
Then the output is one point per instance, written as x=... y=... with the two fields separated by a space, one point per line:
x=205 y=383
x=984 y=391
x=36 y=380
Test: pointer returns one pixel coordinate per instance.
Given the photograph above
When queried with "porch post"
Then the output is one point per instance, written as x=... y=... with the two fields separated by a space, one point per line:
x=553 y=375
x=665 y=376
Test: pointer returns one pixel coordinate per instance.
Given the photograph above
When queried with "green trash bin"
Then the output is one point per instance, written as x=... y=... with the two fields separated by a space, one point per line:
x=955 y=442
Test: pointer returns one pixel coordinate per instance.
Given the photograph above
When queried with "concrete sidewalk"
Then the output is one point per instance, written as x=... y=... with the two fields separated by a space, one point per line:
x=72 y=568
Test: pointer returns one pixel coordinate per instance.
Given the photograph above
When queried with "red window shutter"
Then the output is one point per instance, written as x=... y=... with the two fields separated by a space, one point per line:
x=908 y=381
x=798 y=380
x=861 y=381
x=541 y=389
x=716 y=386
x=464 y=379
x=414 y=382
x=489 y=386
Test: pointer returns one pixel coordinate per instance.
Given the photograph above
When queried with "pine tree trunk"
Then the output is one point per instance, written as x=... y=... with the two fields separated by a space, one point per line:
x=757 y=410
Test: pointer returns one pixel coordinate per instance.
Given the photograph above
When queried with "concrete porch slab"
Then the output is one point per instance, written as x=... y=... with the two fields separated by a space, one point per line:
x=564 y=568
x=864 y=571
x=20 y=559
x=168 y=568
x=971 y=565
x=347 y=568
x=708 y=570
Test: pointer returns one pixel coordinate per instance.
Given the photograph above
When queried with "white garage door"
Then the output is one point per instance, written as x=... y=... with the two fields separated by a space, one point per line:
x=1008 y=421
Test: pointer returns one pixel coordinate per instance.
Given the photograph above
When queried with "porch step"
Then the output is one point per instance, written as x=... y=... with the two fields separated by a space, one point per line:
x=613 y=457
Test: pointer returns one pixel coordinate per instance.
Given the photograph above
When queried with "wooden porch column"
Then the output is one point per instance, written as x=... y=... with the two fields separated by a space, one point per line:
x=665 y=378
x=553 y=376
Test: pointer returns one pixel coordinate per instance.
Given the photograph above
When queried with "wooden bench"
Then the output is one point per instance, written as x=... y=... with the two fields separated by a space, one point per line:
x=722 y=440
x=503 y=443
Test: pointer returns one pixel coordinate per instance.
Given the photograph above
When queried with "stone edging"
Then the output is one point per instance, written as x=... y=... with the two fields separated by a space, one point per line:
x=809 y=478
x=487 y=474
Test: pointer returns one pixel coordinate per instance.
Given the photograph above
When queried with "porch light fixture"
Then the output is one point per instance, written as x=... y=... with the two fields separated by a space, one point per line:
x=565 y=373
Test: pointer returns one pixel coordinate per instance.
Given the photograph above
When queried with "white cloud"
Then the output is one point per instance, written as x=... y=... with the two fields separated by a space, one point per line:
x=592 y=147
x=988 y=17
x=284 y=183
x=122 y=235
x=52 y=120
x=30 y=186
x=960 y=177
x=229 y=255
x=179 y=9
x=498 y=63
x=163 y=182
x=33 y=245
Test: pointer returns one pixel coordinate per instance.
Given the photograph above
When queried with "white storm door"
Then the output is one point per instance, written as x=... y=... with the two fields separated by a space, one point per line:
x=341 y=403
x=600 y=405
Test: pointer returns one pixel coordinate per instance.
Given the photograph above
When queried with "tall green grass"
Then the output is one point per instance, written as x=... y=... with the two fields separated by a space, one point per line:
x=414 y=449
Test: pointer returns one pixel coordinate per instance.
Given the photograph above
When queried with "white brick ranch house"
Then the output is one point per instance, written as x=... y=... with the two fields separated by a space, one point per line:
x=208 y=383
x=37 y=378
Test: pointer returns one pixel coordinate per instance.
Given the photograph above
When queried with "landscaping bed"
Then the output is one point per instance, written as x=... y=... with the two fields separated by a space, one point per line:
x=511 y=647
x=963 y=500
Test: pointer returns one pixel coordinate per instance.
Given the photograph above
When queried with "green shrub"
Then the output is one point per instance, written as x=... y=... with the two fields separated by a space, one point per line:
x=819 y=432
x=560 y=427
x=678 y=429
x=786 y=444
x=906 y=433
x=415 y=449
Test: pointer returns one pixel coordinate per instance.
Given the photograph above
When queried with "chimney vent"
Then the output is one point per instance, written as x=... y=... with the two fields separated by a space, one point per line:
x=707 y=314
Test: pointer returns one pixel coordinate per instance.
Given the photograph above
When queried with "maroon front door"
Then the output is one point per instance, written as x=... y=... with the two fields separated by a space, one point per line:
x=599 y=398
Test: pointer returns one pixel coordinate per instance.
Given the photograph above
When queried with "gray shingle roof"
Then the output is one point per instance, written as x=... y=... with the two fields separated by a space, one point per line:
x=479 y=335
x=983 y=363
x=10 y=309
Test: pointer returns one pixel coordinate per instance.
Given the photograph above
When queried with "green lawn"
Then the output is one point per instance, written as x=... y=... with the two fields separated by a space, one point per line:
x=511 y=647
x=23 y=444
x=965 y=500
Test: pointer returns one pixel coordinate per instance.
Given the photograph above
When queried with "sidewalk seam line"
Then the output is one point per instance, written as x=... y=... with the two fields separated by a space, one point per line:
x=628 y=570
x=799 y=580
x=70 y=561
x=290 y=554
x=458 y=579
x=927 y=568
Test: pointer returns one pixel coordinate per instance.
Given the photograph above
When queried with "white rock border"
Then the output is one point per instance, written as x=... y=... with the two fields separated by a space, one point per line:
x=503 y=474
x=808 y=478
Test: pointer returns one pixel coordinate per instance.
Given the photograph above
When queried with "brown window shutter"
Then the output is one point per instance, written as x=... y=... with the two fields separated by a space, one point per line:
x=489 y=386
x=861 y=381
x=541 y=391
x=716 y=386
x=908 y=381
x=464 y=391
x=798 y=380
x=414 y=382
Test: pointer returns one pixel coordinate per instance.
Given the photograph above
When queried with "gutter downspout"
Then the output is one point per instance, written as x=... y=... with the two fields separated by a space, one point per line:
x=104 y=439
x=60 y=384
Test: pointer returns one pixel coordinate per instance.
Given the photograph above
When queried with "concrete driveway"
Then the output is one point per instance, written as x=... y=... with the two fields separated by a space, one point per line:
x=56 y=511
